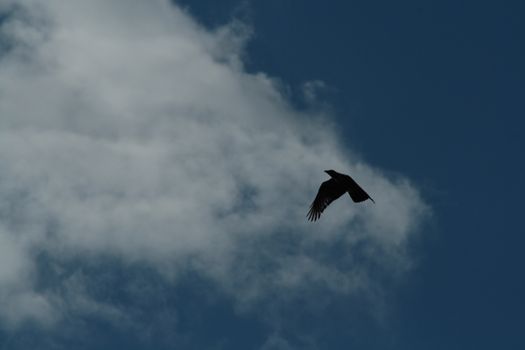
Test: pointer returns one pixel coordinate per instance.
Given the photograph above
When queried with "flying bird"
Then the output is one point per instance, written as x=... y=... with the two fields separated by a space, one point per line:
x=334 y=188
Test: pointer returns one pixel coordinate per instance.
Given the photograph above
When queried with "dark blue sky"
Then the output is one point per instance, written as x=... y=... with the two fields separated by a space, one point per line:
x=435 y=90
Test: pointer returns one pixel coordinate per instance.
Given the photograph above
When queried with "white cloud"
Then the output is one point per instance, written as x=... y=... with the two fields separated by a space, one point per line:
x=275 y=342
x=127 y=130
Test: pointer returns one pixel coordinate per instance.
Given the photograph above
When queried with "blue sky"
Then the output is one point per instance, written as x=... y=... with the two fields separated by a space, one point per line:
x=105 y=248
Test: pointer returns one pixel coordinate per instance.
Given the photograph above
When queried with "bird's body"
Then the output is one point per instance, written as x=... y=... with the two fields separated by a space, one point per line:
x=334 y=188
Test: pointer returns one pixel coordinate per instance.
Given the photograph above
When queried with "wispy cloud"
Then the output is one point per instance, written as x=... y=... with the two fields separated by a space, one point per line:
x=129 y=131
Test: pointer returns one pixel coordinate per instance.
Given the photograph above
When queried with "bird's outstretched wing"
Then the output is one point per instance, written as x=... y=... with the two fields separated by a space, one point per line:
x=328 y=192
x=356 y=192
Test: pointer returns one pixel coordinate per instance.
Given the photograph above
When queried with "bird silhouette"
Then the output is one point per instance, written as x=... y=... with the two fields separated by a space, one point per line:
x=334 y=188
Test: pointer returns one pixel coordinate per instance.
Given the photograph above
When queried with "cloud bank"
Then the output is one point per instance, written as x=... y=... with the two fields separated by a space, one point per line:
x=130 y=132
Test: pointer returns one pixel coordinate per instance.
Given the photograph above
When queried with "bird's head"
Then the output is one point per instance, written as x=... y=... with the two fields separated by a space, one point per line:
x=331 y=172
